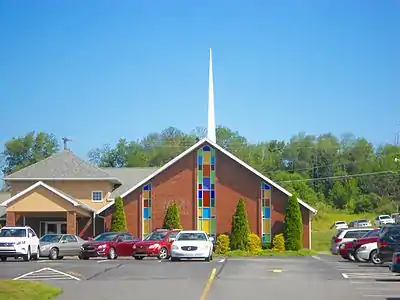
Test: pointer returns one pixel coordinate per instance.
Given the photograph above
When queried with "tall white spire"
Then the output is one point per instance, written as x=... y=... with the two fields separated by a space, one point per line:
x=211 y=129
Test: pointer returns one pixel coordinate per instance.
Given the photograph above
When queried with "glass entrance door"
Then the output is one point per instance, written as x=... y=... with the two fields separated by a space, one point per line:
x=55 y=227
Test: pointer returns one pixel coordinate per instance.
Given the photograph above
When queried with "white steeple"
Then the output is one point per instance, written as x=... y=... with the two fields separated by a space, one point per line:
x=211 y=130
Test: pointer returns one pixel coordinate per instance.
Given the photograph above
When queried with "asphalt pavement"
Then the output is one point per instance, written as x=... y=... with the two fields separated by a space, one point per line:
x=286 y=278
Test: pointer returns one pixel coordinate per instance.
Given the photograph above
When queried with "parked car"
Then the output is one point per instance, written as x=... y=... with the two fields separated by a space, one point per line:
x=396 y=217
x=346 y=235
x=388 y=242
x=384 y=220
x=339 y=225
x=110 y=245
x=360 y=224
x=348 y=250
x=191 y=244
x=157 y=244
x=365 y=248
x=56 y=246
x=19 y=241
x=394 y=266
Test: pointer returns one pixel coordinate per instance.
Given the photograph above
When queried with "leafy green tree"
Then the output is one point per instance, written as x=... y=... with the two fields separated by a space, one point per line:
x=118 y=222
x=172 y=217
x=23 y=151
x=293 y=230
x=239 y=239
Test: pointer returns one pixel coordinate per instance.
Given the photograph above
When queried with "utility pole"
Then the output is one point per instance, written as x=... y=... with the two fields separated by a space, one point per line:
x=65 y=141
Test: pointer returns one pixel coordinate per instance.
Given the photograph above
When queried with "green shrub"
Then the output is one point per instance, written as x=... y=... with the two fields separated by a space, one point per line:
x=293 y=229
x=118 y=221
x=222 y=244
x=278 y=242
x=172 y=219
x=254 y=243
x=239 y=239
x=266 y=246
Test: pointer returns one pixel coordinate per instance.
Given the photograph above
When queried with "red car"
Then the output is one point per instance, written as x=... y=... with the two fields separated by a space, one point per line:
x=110 y=245
x=157 y=244
x=349 y=249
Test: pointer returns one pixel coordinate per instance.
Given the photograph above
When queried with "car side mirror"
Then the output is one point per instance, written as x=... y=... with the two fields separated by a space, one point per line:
x=63 y=241
x=29 y=235
x=90 y=239
x=211 y=239
x=119 y=240
x=171 y=239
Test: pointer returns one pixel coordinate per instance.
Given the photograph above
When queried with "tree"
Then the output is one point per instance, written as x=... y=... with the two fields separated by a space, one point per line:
x=172 y=217
x=239 y=239
x=118 y=222
x=22 y=151
x=293 y=230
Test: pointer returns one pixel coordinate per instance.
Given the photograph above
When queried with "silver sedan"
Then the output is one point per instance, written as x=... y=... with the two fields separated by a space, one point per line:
x=56 y=246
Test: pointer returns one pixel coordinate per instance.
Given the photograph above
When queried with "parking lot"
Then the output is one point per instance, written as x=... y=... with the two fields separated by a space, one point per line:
x=322 y=277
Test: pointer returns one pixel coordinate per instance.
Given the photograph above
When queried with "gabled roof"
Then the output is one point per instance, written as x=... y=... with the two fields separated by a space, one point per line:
x=128 y=177
x=3 y=197
x=63 y=195
x=63 y=165
x=227 y=153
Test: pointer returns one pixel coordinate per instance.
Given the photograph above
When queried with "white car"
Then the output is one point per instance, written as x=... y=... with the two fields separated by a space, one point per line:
x=192 y=244
x=368 y=252
x=346 y=235
x=384 y=220
x=339 y=225
x=19 y=241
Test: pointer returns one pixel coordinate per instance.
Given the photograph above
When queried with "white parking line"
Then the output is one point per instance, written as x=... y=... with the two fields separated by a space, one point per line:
x=345 y=275
x=46 y=274
x=316 y=257
x=222 y=260
x=103 y=260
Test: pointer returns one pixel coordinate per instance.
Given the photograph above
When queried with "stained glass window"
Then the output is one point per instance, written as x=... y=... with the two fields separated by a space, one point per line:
x=266 y=212
x=206 y=214
x=146 y=209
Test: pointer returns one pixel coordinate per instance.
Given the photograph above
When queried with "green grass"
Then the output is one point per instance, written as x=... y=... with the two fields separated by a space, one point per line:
x=269 y=252
x=321 y=232
x=26 y=290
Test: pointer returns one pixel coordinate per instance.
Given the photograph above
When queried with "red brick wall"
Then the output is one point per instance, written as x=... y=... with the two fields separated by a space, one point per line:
x=178 y=183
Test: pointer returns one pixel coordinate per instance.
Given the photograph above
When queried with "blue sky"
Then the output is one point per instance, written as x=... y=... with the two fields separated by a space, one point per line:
x=101 y=70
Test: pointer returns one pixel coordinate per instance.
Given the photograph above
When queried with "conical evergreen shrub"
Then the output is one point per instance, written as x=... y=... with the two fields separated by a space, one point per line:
x=239 y=239
x=172 y=219
x=293 y=230
x=118 y=222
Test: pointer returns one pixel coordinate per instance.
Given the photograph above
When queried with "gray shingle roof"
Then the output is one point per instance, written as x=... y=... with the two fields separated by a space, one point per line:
x=3 y=197
x=129 y=177
x=63 y=164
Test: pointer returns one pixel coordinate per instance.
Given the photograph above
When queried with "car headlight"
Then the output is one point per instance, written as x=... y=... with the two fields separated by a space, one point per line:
x=154 y=246
x=205 y=247
x=101 y=246
x=175 y=247
x=20 y=243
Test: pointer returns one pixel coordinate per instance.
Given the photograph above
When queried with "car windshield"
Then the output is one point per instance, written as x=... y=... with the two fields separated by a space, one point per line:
x=192 y=236
x=340 y=223
x=157 y=236
x=363 y=221
x=385 y=217
x=50 y=238
x=106 y=237
x=13 y=232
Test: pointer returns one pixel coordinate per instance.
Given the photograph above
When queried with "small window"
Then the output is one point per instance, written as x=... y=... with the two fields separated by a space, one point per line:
x=353 y=234
x=97 y=196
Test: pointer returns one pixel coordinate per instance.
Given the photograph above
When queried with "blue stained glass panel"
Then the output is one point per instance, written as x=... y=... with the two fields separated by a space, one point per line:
x=146 y=213
x=200 y=195
x=212 y=186
x=212 y=159
x=206 y=148
x=212 y=194
x=265 y=186
x=200 y=160
x=206 y=183
x=266 y=213
x=146 y=187
x=206 y=213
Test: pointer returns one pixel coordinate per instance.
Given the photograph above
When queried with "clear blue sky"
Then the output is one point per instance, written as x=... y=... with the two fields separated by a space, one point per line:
x=100 y=70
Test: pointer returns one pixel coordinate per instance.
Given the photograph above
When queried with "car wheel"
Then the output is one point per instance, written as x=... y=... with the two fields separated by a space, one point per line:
x=53 y=254
x=37 y=254
x=27 y=256
x=138 y=257
x=163 y=253
x=374 y=257
x=3 y=258
x=351 y=257
x=111 y=254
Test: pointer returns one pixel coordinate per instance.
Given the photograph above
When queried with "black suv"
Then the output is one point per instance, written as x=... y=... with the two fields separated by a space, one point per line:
x=388 y=242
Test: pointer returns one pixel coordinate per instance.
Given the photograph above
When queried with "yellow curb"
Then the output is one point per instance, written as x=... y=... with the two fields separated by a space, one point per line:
x=208 y=284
